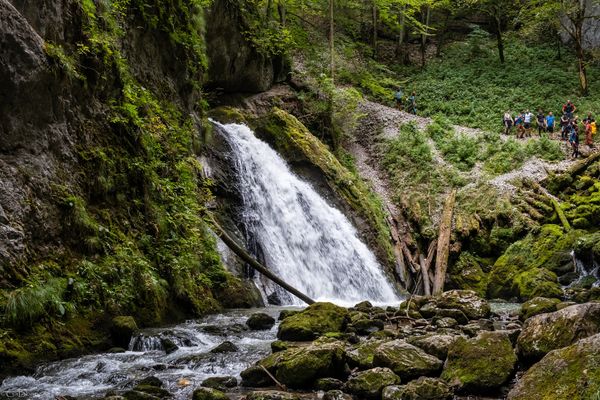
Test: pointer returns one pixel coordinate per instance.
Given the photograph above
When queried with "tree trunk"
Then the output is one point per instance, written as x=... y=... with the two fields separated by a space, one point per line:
x=268 y=11
x=331 y=44
x=558 y=46
x=443 y=243
x=442 y=36
x=374 y=22
x=425 y=20
x=499 y=39
x=281 y=11
x=583 y=82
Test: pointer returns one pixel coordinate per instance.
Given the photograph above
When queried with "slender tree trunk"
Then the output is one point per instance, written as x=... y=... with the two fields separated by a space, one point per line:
x=442 y=36
x=374 y=22
x=281 y=11
x=583 y=82
x=426 y=19
x=499 y=38
x=268 y=11
x=331 y=42
x=558 y=46
x=443 y=244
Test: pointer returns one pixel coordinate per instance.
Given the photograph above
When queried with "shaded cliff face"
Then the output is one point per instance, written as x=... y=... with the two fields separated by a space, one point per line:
x=101 y=187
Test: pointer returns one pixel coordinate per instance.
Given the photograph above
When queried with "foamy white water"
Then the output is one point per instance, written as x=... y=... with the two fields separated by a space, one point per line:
x=305 y=241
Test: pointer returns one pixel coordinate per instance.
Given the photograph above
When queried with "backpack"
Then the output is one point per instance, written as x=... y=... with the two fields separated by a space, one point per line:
x=593 y=125
x=398 y=95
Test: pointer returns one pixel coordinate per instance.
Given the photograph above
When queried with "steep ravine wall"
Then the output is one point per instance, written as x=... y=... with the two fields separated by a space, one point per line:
x=101 y=190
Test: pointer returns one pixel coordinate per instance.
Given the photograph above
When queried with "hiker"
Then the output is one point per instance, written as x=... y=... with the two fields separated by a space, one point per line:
x=508 y=122
x=412 y=103
x=550 y=123
x=519 y=125
x=527 y=117
x=541 y=122
x=589 y=118
x=564 y=126
x=588 y=133
x=574 y=138
x=569 y=109
x=399 y=96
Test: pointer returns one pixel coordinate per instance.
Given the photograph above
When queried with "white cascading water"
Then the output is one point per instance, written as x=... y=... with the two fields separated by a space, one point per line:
x=305 y=241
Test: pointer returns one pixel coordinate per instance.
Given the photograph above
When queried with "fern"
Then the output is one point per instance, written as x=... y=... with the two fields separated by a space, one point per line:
x=28 y=304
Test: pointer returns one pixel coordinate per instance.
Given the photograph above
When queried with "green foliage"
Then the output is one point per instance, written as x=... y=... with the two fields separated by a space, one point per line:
x=477 y=40
x=68 y=63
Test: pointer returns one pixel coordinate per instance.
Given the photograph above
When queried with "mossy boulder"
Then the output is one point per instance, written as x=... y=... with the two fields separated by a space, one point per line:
x=407 y=361
x=327 y=384
x=369 y=384
x=272 y=395
x=569 y=373
x=467 y=273
x=122 y=329
x=467 y=301
x=546 y=332
x=361 y=355
x=434 y=344
x=205 y=393
x=528 y=268
x=337 y=395
x=221 y=383
x=481 y=363
x=260 y=321
x=424 y=388
x=537 y=305
x=314 y=321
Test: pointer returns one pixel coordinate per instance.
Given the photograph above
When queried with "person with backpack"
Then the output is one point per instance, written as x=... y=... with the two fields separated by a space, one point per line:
x=412 y=103
x=519 y=125
x=508 y=121
x=527 y=118
x=574 y=138
x=399 y=97
x=588 y=133
x=541 y=122
x=569 y=109
x=550 y=123
x=564 y=125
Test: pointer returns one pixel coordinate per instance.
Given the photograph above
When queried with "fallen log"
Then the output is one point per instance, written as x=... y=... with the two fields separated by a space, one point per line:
x=443 y=244
x=244 y=255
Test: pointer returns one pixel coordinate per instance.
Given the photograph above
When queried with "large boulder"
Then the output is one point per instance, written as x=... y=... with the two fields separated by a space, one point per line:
x=467 y=301
x=122 y=329
x=298 y=367
x=537 y=305
x=406 y=360
x=481 y=363
x=467 y=274
x=361 y=356
x=369 y=384
x=569 y=373
x=260 y=321
x=316 y=320
x=546 y=332
x=423 y=388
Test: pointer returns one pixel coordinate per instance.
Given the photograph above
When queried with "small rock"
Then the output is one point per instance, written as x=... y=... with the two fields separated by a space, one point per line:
x=274 y=299
x=205 y=393
x=151 y=381
x=436 y=345
x=471 y=329
x=221 y=383
x=169 y=345
x=327 y=384
x=369 y=384
x=421 y=389
x=115 y=350
x=337 y=395
x=364 y=306
x=260 y=322
x=271 y=395
x=453 y=313
x=155 y=391
x=473 y=306
x=445 y=322
x=225 y=347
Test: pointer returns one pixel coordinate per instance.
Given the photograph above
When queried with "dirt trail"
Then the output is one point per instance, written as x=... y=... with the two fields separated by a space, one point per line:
x=381 y=123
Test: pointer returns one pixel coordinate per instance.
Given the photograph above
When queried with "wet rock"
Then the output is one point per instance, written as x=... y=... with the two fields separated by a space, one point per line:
x=114 y=350
x=151 y=381
x=274 y=299
x=260 y=321
x=271 y=395
x=122 y=329
x=433 y=344
x=369 y=384
x=453 y=313
x=361 y=356
x=364 y=306
x=287 y=313
x=221 y=383
x=337 y=395
x=481 y=363
x=280 y=345
x=423 y=388
x=467 y=301
x=366 y=326
x=569 y=373
x=471 y=329
x=564 y=304
x=428 y=310
x=225 y=347
x=255 y=376
x=406 y=360
x=205 y=393
x=136 y=395
x=545 y=332
x=537 y=305
x=316 y=320
x=327 y=384
x=155 y=391
x=445 y=322
x=168 y=345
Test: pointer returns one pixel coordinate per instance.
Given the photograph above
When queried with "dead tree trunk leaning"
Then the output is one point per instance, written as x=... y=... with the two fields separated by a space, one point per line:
x=443 y=247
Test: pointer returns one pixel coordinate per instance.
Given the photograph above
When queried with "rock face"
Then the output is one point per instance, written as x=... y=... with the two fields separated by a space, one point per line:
x=406 y=360
x=421 y=389
x=317 y=319
x=369 y=384
x=546 y=332
x=235 y=64
x=569 y=373
x=481 y=363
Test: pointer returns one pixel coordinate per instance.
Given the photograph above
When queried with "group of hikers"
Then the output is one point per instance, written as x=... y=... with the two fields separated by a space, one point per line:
x=547 y=123
x=410 y=105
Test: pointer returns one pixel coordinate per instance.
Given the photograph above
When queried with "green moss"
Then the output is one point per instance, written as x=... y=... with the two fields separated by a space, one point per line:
x=301 y=367
x=467 y=273
x=369 y=384
x=293 y=140
x=537 y=305
x=227 y=115
x=537 y=282
x=316 y=320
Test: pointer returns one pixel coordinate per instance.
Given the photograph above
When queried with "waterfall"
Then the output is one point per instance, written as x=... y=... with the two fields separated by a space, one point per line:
x=304 y=240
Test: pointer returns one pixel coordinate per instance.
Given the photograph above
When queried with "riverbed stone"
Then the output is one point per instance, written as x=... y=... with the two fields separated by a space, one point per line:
x=155 y=391
x=369 y=384
x=205 y=393
x=569 y=373
x=407 y=361
x=221 y=383
x=337 y=395
x=151 y=381
x=545 y=332
x=314 y=321
x=122 y=329
x=271 y=395
x=467 y=301
x=361 y=355
x=169 y=345
x=424 y=388
x=481 y=363
x=327 y=384
x=434 y=344
x=445 y=322
x=260 y=322
x=225 y=347
x=537 y=305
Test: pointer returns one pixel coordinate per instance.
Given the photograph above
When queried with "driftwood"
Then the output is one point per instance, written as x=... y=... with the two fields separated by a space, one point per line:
x=443 y=244
x=561 y=214
x=244 y=255
x=279 y=384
